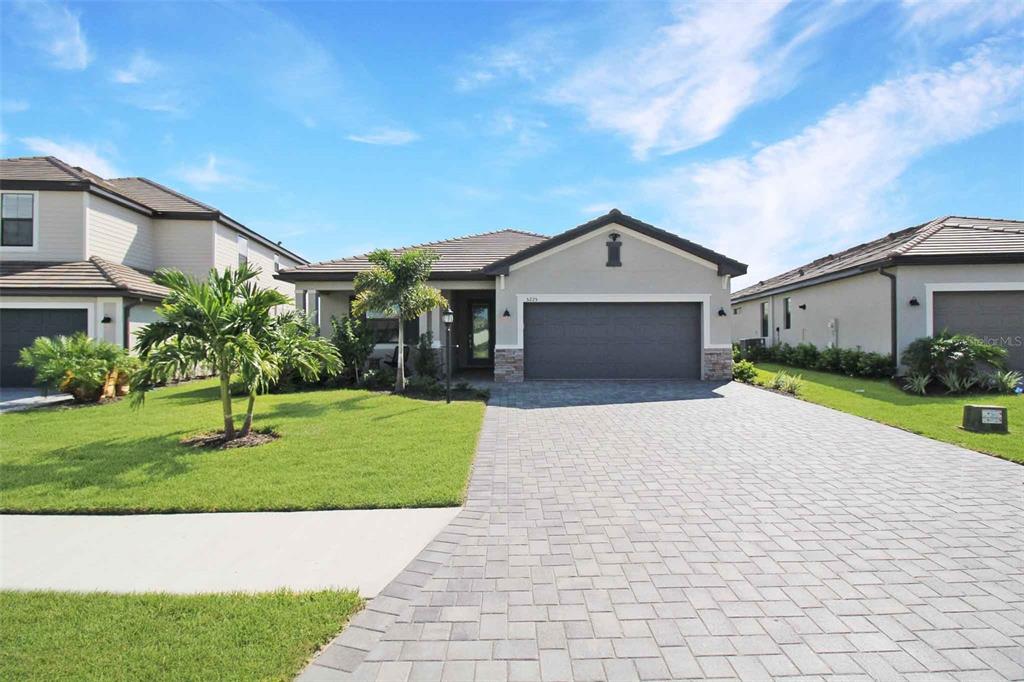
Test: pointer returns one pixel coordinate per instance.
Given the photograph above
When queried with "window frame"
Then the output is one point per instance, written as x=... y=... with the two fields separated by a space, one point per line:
x=242 y=247
x=787 y=312
x=35 y=223
x=765 y=327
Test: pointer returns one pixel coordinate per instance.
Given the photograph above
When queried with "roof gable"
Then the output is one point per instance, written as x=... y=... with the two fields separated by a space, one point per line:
x=725 y=265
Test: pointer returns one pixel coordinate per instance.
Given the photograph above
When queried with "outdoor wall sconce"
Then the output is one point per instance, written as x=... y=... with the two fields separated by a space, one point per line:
x=106 y=319
x=914 y=301
x=506 y=314
x=802 y=306
x=721 y=312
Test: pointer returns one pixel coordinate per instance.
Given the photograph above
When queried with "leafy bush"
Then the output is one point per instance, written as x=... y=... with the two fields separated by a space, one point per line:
x=787 y=383
x=425 y=362
x=957 y=383
x=296 y=335
x=744 y=371
x=424 y=385
x=354 y=341
x=87 y=369
x=876 y=365
x=918 y=383
x=830 y=360
x=1005 y=381
x=805 y=355
x=382 y=379
x=943 y=353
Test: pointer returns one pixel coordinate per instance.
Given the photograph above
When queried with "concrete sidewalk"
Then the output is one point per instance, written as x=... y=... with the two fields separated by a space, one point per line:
x=192 y=553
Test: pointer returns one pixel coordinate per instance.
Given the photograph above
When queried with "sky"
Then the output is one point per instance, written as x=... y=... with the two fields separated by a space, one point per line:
x=772 y=132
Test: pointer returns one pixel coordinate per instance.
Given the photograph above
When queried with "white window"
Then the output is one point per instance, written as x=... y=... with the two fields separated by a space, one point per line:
x=19 y=220
x=277 y=263
x=243 y=251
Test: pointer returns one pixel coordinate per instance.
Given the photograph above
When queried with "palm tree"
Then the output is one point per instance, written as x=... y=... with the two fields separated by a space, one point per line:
x=397 y=285
x=224 y=324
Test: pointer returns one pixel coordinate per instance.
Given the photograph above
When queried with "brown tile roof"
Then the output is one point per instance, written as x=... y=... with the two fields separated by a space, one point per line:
x=96 y=275
x=950 y=237
x=46 y=168
x=158 y=197
x=458 y=256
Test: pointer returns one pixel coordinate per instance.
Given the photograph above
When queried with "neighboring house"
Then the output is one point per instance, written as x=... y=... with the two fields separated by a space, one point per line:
x=959 y=274
x=77 y=252
x=614 y=298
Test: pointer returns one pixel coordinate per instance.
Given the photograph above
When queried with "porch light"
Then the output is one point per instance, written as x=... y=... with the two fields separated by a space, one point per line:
x=914 y=301
x=506 y=314
x=448 y=317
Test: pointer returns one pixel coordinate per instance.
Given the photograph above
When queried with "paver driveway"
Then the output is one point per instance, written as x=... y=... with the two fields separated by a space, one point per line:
x=681 y=530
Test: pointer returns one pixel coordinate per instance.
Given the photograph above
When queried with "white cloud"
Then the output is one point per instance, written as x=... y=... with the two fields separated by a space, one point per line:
x=56 y=31
x=833 y=183
x=211 y=173
x=962 y=16
x=385 y=136
x=80 y=154
x=526 y=57
x=141 y=68
x=14 y=106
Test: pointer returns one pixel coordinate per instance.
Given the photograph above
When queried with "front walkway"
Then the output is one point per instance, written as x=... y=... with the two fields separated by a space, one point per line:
x=15 y=399
x=189 y=553
x=678 y=530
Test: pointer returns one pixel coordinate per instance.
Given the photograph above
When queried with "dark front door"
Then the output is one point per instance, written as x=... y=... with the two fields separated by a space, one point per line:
x=995 y=316
x=612 y=340
x=480 y=344
x=19 y=327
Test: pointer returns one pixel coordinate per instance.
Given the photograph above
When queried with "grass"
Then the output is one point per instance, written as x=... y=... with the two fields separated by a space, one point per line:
x=52 y=636
x=339 y=449
x=934 y=416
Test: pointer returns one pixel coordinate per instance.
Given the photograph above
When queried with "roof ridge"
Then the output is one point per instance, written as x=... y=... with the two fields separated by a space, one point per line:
x=434 y=243
x=64 y=166
x=104 y=267
x=925 y=231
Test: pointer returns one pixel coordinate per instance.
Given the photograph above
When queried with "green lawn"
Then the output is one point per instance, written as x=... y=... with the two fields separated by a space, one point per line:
x=937 y=417
x=339 y=449
x=51 y=636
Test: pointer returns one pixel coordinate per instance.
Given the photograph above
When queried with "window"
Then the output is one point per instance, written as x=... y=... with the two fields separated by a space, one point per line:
x=764 y=320
x=277 y=263
x=243 y=251
x=787 y=313
x=385 y=328
x=736 y=311
x=18 y=220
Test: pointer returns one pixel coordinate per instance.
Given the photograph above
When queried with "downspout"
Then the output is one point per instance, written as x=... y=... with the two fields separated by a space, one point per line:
x=125 y=338
x=892 y=313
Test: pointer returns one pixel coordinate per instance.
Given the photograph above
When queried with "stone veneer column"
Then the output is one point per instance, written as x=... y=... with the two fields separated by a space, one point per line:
x=508 y=365
x=717 y=364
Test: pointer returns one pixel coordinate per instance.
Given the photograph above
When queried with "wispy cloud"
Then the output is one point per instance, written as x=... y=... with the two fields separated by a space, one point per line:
x=962 y=16
x=140 y=69
x=385 y=136
x=213 y=172
x=832 y=183
x=527 y=132
x=56 y=31
x=13 y=106
x=88 y=156
x=527 y=56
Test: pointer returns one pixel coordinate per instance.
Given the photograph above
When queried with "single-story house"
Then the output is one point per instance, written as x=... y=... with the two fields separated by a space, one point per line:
x=959 y=274
x=77 y=252
x=614 y=298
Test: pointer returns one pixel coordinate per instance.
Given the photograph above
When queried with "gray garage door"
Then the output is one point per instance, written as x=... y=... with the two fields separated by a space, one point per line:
x=995 y=316
x=19 y=328
x=612 y=340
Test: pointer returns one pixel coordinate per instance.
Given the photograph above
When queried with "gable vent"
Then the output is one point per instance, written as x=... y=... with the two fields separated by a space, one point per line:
x=614 y=251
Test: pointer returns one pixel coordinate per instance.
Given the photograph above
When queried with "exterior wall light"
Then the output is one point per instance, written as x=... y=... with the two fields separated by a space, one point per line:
x=721 y=312
x=914 y=301
x=802 y=306
x=506 y=314
x=106 y=319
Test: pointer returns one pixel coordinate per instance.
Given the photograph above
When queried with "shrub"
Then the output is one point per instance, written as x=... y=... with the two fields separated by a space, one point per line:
x=956 y=382
x=354 y=341
x=962 y=354
x=424 y=385
x=787 y=383
x=918 y=383
x=425 y=363
x=876 y=365
x=805 y=355
x=1005 y=381
x=382 y=379
x=87 y=369
x=744 y=371
x=830 y=360
x=737 y=354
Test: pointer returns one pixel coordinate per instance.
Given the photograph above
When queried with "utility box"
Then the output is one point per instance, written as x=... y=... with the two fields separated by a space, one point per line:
x=985 y=419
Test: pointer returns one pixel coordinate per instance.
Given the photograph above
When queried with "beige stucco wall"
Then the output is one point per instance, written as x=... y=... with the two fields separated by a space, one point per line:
x=579 y=269
x=859 y=305
x=185 y=245
x=138 y=317
x=226 y=256
x=120 y=235
x=61 y=228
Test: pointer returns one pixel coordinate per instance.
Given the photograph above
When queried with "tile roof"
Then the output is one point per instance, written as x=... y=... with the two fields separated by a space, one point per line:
x=158 y=197
x=461 y=255
x=948 y=237
x=45 y=168
x=94 y=275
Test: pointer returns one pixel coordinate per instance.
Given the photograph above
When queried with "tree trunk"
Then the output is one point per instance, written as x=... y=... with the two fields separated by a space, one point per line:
x=247 y=424
x=225 y=402
x=400 y=361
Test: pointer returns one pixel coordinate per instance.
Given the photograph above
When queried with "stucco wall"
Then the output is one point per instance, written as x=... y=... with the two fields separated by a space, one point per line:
x=226 y=256
x=860 y=306
x=120 y=235
x=138 y=317
x=185 y=245
x=579 y=269
x=912 y=280
x=61 y=228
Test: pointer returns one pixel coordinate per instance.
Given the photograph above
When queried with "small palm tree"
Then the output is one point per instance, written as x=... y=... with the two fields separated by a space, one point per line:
x=224 y=324
x=397 y=285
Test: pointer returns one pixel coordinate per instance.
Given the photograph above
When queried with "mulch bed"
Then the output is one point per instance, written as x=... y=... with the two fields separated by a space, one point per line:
x=215 y=440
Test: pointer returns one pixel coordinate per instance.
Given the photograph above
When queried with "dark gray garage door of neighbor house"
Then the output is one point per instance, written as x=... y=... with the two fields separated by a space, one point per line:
x=995 y=316
x=612 y=340
x=20 y=327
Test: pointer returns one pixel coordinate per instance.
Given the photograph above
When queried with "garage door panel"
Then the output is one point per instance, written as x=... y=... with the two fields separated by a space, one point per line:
x=612 y=340
x=19 y=327
x=995 y=316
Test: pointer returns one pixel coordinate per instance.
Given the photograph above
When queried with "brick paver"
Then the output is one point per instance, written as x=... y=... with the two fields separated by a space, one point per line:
x=618 y=531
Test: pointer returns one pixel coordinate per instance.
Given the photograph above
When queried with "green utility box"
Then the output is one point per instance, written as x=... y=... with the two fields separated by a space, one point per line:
x=985 y=419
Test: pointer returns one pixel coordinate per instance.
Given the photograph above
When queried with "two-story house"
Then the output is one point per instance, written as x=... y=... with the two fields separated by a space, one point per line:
x=77 y=252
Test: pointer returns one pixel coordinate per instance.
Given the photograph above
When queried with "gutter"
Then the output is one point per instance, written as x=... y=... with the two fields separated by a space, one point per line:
x=892 y=311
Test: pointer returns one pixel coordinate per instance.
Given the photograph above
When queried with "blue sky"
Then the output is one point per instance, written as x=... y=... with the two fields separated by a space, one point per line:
x=774 y=132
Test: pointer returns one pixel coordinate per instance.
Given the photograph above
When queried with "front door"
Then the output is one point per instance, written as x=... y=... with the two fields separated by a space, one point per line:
x=481 y=332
